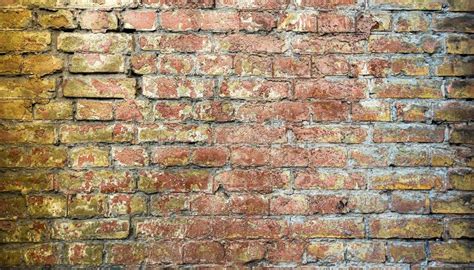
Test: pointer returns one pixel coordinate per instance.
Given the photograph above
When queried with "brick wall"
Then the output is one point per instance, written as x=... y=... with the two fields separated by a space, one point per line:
x=264 y=133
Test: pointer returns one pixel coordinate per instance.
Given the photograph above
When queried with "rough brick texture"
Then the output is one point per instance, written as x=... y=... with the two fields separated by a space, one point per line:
x=315 y=134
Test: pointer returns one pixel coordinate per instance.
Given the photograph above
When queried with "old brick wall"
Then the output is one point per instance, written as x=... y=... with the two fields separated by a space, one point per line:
x=242 y=133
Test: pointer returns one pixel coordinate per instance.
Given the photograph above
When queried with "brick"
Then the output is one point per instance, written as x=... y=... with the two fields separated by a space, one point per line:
x=419 y=180
x=209 y=205
x=254 y=89
x=330 y=134
x=126 y=253
x=203 y=252
x=258 y=134
x=326 y=227
x=126 y=204
x=169 y=87
x=330 y=111
x=37 y=157
x=99 y=87
x=107 y=4
x=366 y=251
x=461 y=134
x=86 y=205
x=254 y=21
x=13 y=207
x=215 y=65
x=23 y=231
x=330 y=179
x=411 y=112
x=325 y=251
x=174 y=133
x=285 y=251
x=164 y=205
x=84 y=253
x=172 y=228
x=245 y=251
x=170 y=4
x=453 y=23
x=411 y=157
x=369 y=157
x=410 y=66
x=453 y=112
x=94 y=43
x=142 y=20
x=249 y=205
x=77 y=133
x=252 y=4
x=289 y=67
x=15 y=19
x=459 y=66
x=403 y=88
x=93 y=110
x=452 y=203
x=207 y=20
x=460 y=228
x=16 y=110
x=250 y=43
x=42 y=254
x=264 y=181
x=249 y=156
x=110 y=228
x=26 y=182
x=84 y=157
x=451 y=251
x=56 y=19
x=176 y=64
x=289 y=205
x=461 y=179
x=250 y=228
x=248 y=65
x=168 y=42
x=410 y=202
x=330 y=65
x=298 y=22
x=182 y=181
x=133 y=110
x=27 y=88
x=92 y=63
x=371 y=110
x=342 y=43
x=53 y=110
x=130 y=156
x=25 y=41
x=407 y=4
x=98 y=21
x=397 y=43
x=409 y=252
x=210 y=156
x=171 y=156
x=334 y=23
x=326 y=4
x=145 y=63
x=460 y=44
x=46 y=206
x=461 y=5
x=71 y=182
x=373 y=21
x=412 y=22
x=405 y=227
x=408 y=133
x=328 y=89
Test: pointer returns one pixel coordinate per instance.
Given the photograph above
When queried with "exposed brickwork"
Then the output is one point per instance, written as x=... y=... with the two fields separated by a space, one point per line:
x=144 y=134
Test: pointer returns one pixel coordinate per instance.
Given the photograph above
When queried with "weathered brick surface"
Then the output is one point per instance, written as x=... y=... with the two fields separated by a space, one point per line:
x=215 y=134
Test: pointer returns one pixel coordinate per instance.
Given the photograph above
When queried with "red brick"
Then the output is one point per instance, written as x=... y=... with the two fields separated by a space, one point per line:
x=210 y=156
x=329 y=180
x=254 y=89
x=252 y=180
x=249 y=228
x=203 y=252
x=298 y=22
x=130 y=156
x=143 y=20
x=250 y=43
x=285 y=251
x=408 y=133
x=253 y=4
x=288 y=67
x=258 y=134
x=326 y=89
x=245 y=251
x=170 y=87
x=405 y=227
x=171 y=156
x=254 y=21
x=168 y=42
x=181 y=181
x=327 y=228
x=175 y=64
x=333 y=23
x=212 y=20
